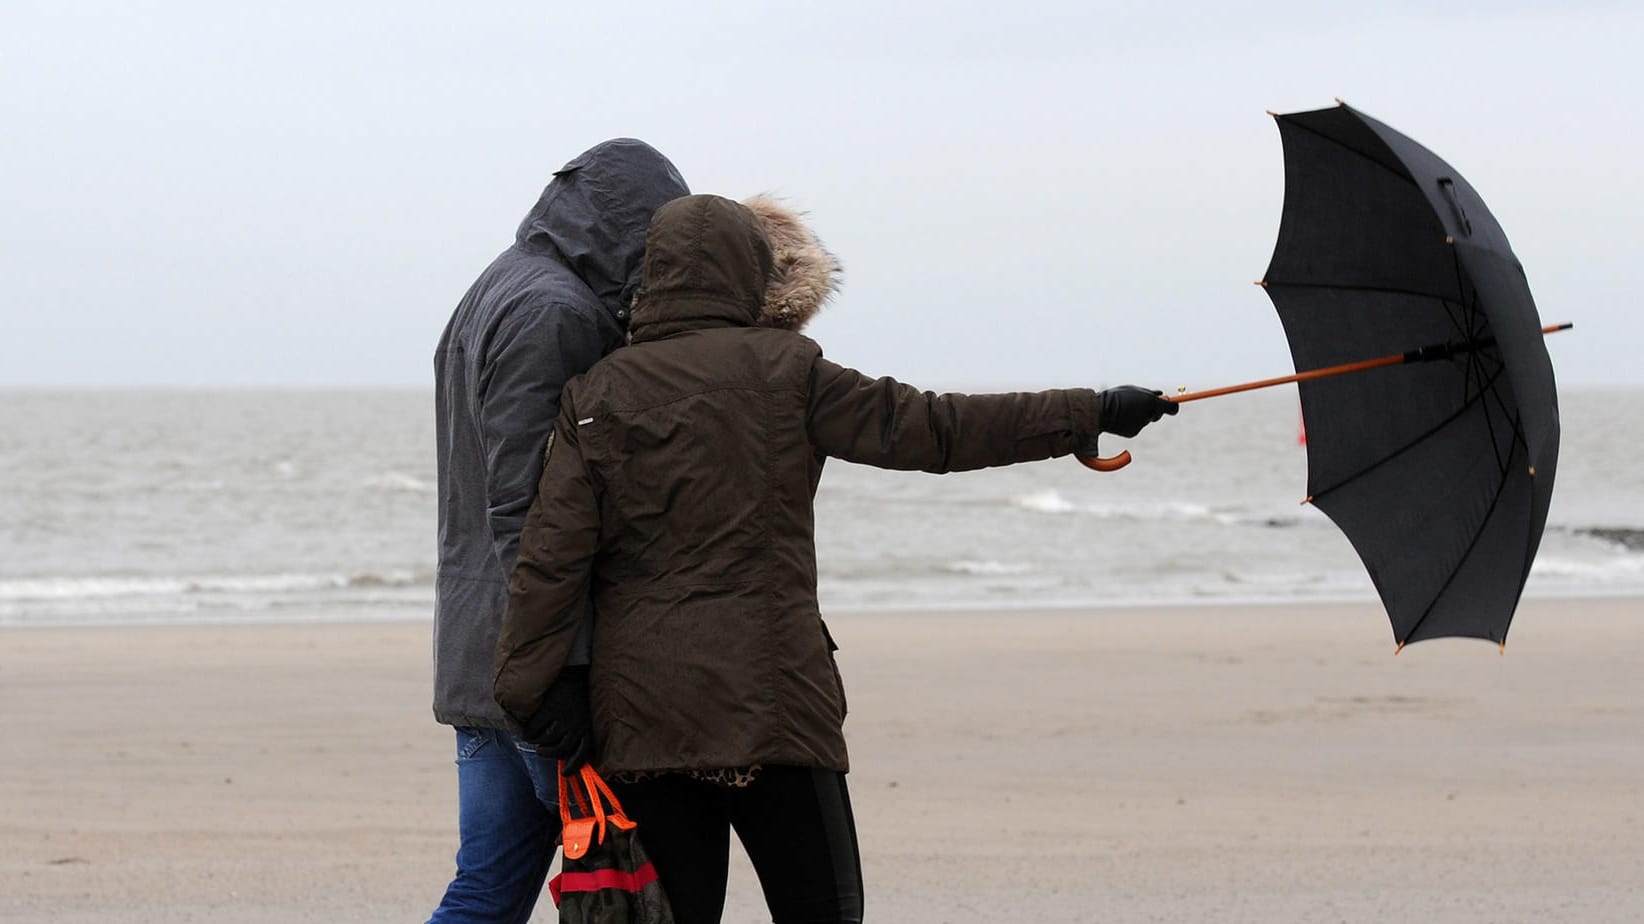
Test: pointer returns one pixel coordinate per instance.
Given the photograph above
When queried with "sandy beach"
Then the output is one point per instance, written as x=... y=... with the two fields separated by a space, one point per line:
x=1230 y=764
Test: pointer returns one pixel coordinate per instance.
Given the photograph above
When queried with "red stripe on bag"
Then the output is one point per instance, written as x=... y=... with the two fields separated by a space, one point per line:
x=602 y=879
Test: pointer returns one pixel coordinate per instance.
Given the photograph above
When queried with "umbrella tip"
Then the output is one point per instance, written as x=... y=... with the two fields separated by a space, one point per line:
x=1340 y=101
x=1504 y=648
x=1532 y=471
x=1307 y=500
x=1399 y=649
x=1449 y=240
x=1272 y=113
x=1262 y=283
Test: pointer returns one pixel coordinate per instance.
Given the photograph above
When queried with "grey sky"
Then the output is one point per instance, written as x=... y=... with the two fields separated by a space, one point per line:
x=1070 y=193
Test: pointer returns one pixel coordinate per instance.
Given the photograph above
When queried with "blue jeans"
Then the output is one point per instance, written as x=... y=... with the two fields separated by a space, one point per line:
x=508 y=819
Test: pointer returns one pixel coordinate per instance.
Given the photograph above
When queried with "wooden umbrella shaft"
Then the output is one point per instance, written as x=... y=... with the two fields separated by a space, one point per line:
x=1429 y=353
x=1343 y=369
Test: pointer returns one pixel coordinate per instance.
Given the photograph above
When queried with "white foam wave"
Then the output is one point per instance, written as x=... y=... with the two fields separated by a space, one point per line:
x=1045 y=502
x=108 y=587
x=1280 y=580
x=398 y=482
x=988 y=568
x=1053 y=502
x=1616 y=570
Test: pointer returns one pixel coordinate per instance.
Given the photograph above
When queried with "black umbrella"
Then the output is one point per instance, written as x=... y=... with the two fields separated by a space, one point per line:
x=1436 y=460
x=1438 y=470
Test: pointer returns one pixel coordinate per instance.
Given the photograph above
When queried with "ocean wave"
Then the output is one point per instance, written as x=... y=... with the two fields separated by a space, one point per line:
x=988 y=568
x=1630 y=539
x=398 y=482
x=1045 y=502
x=393 y=578
x=1052 y=502
x=1297 y=581
x=1621 y=570
x=901 y=571
x=179 y=612
x=108 y=587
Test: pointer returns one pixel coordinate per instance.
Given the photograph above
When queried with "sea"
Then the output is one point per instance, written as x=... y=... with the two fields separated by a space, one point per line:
x=122 y=508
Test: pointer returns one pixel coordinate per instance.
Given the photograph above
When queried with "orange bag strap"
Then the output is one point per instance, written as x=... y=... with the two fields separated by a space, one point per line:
x=578 y=833
x=599 y=790
x=565 y=816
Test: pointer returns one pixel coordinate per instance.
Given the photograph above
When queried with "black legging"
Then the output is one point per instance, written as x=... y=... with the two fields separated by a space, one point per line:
x=795 y=824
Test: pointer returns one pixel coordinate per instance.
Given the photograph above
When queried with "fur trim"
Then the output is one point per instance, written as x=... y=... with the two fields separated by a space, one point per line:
x=804 y=274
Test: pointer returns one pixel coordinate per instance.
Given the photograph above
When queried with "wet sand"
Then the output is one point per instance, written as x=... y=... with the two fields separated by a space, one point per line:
x=1230 y=764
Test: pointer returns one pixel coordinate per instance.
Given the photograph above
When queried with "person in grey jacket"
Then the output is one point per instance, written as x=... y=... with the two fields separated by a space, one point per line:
x=545 y=310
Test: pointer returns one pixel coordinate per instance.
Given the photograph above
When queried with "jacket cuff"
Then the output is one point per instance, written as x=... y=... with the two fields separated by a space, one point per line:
x=1084 y=411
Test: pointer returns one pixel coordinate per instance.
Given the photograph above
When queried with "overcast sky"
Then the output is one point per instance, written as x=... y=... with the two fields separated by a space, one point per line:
x=1023 y=195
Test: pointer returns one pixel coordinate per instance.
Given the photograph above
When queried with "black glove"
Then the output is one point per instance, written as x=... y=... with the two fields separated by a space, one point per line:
x=562 y=727
x=1125 y=409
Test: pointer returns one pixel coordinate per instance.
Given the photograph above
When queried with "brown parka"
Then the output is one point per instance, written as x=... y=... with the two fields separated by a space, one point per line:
x=677 y=492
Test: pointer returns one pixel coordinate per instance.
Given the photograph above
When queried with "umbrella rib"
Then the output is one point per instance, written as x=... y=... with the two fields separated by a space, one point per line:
x=1501 y=405
x=1488 y=394
x=1495 y=502
x=1475 y=370
x=1530 y=542
x=1468 y=301
x=1405 y=176
x=1486 y=391
x=1320 y=492
x=1354 y=287
x=1463 y=323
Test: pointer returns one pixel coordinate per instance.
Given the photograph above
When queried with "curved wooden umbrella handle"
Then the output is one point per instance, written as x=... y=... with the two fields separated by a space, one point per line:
x=1110 y=464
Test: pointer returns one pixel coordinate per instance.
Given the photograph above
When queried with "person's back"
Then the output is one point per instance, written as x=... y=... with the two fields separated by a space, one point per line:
x=678 y=490
x=712 y=535
x=546 y=309
x=706 y=439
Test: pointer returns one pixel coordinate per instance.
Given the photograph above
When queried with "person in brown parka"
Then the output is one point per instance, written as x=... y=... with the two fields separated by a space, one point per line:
x=677 y=494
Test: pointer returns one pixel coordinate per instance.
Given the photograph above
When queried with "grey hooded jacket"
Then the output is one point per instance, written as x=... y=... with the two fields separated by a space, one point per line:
x=545 y=310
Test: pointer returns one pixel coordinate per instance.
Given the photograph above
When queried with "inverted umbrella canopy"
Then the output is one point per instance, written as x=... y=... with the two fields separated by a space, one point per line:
x=1439 y=471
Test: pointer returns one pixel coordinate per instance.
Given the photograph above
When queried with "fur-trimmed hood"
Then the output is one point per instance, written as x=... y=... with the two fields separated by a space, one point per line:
x=712 y=262
x=804 y=274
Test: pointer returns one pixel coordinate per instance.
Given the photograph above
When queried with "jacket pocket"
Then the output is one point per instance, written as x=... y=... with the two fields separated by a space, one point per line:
x=838 y=678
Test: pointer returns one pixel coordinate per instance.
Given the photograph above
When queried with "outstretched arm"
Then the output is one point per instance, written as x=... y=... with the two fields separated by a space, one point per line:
x=885 y=423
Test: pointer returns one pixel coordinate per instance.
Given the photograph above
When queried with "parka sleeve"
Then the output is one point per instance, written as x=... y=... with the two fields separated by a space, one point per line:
x=528 y=361
x=548 y=592
x=884 y=423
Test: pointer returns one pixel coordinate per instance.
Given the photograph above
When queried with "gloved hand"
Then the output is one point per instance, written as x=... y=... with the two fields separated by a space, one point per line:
x=562 y=727
x=1125 y=409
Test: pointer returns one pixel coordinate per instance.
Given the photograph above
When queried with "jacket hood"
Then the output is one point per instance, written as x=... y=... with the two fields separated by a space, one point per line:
x=712 y=262
x=594 y=214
